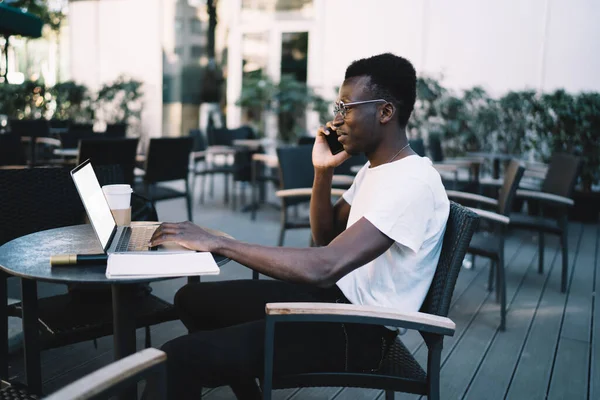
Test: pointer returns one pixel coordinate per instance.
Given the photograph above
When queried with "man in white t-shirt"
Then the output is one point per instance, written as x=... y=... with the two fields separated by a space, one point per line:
x=378 y=245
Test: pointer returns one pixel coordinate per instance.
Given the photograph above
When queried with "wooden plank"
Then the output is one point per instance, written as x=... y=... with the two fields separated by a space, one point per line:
x=462 y=363
x=317 y=393
x=494 y=375
x=595 y=347
x=532 y=374
x=570 y=371
x=570 y=375
x=358 y=394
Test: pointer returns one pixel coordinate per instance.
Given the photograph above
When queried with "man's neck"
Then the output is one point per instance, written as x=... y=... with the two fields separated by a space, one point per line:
x=392 y=148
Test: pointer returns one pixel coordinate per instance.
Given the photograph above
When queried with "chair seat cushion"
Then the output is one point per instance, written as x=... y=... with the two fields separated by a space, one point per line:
x=159 y=192
x=485 y=244
x=533 y=222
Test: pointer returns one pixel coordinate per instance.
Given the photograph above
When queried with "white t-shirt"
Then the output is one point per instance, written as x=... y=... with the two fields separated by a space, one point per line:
x=407 y=202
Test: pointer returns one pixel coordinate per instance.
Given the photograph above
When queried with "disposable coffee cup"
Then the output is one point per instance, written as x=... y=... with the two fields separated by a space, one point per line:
x=119 y=202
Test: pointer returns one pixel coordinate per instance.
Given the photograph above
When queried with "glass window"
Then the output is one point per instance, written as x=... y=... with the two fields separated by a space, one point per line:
x=196 y=26
x=196 y=51
x=294 y=55
x=179 y=51
x=179 y=25
x=276 y=5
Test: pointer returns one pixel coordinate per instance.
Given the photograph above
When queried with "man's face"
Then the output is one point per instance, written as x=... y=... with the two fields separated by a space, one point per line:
x=358 y=130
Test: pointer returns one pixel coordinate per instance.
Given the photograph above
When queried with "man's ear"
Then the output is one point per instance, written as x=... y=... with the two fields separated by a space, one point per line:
x=386 y=113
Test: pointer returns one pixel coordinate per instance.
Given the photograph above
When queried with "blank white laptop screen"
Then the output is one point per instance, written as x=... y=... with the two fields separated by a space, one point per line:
x=95 y=203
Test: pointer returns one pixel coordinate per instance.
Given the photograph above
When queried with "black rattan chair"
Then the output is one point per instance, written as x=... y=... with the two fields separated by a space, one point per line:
x=148 y=365
x=116 y=131
x=491 y=244
x=110 y=152
x=400 y=372
x=35 y=199
x=552 y=201
x=167 y=159
x=11 y=150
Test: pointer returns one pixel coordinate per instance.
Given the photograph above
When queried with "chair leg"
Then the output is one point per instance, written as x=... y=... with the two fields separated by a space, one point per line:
x=226 y=178
x=434 y=360
x=188 y=200
x=541 y=253
x=148 y=341
x=390 y=395
x=502 y=289
x=255 y=275
x=564 y=243
x=201 y=185
x=472 y=261
x=283 y=225
x=490 y=285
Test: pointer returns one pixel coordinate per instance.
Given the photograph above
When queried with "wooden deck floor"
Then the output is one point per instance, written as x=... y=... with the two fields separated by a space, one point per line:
x=550 y=349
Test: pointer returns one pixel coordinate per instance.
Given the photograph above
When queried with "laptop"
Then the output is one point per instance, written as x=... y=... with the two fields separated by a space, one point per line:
x=113 y=238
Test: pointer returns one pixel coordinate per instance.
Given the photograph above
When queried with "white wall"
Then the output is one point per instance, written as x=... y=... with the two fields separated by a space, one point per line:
x=498 y=44
x=111 y=38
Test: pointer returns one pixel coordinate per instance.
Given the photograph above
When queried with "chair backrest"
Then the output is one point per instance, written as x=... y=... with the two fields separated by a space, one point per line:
x=435 y=148
x=70 y=139
x=30 y=127
x=418 y=146
x=459 y=229
x=35 y=199
x=302 y=140
x=168 y=159
x=116 y=130
x=295 y=169
x=562 y=174
x=110 y=151
x=199 y=142
x=148 y=365
x=12 y=151
x=512 y=176
x=225 y=137
x=345 y=168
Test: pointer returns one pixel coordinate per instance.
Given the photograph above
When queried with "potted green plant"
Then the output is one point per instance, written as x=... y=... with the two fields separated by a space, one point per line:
x=120 y=102
x=71 y=102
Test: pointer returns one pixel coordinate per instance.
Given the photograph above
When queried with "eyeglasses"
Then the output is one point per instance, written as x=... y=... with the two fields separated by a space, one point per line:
x=342 y=108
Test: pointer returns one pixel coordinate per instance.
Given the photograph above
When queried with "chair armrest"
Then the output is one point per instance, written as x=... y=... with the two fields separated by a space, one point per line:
x=268 y=159
x=547 y=197
x=305 y=192
x=446 y=167
x=343 y=179
x=471 y=196
x=492 y=216
x=131 y=368
x=198 y=155
x=351 y=313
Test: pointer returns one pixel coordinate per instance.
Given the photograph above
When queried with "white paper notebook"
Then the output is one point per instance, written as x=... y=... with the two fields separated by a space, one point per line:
x=134 y=265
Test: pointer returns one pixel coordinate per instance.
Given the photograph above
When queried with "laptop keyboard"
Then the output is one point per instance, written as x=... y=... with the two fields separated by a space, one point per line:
x=135 y=239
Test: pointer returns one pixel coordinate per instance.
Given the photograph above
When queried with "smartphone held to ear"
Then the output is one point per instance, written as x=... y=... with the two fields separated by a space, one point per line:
x=332 y=140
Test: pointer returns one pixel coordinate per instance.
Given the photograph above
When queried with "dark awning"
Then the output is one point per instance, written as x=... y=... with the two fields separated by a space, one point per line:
x=13 y=21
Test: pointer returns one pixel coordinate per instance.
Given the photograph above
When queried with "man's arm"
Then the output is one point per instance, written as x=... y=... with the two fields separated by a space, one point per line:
x=326 y=221
x=321 y=266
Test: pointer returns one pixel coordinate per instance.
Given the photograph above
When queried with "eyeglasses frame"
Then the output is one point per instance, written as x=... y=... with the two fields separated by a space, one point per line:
x=342 y=108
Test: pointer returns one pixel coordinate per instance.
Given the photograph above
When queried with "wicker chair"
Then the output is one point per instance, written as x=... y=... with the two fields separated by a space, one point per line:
x=553 y=201
x=400 y=372
x=36 y=199
x=148 y=365
x=118 y=151
x=491 y=245
x=168 y=159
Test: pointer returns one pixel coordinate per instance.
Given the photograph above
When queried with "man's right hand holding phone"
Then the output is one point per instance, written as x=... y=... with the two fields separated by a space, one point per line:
x=322 y=155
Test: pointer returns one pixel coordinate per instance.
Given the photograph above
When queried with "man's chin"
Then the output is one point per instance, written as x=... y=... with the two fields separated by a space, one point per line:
x=351 y=151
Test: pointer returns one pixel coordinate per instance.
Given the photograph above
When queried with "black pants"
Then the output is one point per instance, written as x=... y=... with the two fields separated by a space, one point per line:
x=226 y=340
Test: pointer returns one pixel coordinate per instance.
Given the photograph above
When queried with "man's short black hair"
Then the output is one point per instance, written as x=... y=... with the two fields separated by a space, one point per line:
x=393 y=78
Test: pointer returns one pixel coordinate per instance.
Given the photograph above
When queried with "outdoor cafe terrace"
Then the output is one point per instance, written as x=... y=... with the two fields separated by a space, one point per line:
x=550 y=349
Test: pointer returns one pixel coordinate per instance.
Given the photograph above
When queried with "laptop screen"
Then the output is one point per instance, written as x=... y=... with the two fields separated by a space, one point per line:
x=94 y=202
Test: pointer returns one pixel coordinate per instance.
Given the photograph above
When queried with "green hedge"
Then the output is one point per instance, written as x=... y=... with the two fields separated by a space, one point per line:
x=526 y=123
